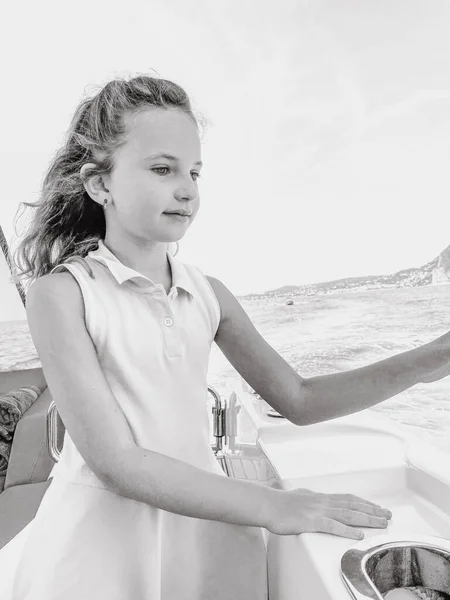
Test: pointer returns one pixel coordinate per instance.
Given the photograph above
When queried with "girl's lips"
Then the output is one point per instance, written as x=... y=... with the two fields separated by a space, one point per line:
x=179 y=216
x=182 y=213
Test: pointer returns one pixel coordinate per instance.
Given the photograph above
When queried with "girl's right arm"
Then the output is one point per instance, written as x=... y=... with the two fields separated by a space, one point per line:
x=101 y=434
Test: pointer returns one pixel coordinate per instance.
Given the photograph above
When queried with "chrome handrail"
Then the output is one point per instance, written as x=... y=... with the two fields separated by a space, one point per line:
x=219 y=429
x=52 y=432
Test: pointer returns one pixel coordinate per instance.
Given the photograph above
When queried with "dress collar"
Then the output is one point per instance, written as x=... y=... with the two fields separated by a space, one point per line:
x=180 y=276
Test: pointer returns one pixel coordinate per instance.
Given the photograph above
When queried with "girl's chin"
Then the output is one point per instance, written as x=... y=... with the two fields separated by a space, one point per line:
x=171 y=233
x=172 y=237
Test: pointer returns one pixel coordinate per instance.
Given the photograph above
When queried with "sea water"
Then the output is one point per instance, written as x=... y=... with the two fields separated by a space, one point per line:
x=324 y=334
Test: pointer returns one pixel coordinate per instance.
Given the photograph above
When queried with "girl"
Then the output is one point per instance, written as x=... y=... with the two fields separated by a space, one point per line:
x=138 y=507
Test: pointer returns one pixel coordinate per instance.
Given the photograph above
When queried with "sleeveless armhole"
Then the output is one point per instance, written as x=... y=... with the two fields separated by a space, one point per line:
x=90 y=314
x=214 y=306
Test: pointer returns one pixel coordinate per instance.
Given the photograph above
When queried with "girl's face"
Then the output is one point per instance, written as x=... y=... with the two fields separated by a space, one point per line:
x=153 y=185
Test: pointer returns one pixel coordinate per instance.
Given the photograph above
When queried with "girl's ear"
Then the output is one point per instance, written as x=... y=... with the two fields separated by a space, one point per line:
x=93 y=185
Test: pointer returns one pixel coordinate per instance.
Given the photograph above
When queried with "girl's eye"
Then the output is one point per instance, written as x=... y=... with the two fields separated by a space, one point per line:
x=158 y=169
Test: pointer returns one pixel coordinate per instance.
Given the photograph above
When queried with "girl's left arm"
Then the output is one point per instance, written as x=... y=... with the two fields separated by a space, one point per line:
x=311 y=400
x=258 y=363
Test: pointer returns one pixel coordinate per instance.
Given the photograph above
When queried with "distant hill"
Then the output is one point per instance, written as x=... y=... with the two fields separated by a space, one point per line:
x=436 y=271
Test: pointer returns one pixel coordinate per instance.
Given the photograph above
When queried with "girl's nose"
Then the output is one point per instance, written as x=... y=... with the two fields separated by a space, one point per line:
x=186 y=193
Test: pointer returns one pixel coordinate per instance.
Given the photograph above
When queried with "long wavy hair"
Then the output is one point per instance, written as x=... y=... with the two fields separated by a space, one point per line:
x=66 y=223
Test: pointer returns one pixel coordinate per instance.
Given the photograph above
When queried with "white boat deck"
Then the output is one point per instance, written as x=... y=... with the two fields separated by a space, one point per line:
x=363 y=454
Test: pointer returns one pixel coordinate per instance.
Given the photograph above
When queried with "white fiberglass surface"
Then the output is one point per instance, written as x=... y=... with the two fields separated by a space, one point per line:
x=314 y=455
x=359 y=455
x=308 y=566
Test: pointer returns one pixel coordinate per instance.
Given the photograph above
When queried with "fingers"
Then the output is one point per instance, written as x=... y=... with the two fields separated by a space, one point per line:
x=325 y=525
x=351 y=498
x=352 y=517
x=336 y=514
x=369 y=509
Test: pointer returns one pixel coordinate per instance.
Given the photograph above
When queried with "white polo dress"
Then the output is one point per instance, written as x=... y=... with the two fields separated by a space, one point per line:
x=87 y=542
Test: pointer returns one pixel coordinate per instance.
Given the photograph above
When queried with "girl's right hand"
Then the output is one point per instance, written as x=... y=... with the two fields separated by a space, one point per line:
x=300 y=511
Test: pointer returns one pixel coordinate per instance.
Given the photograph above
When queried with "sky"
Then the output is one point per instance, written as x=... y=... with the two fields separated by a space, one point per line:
x=327 y=147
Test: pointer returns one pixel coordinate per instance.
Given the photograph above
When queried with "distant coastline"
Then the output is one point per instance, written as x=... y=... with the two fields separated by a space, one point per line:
x=435 y=272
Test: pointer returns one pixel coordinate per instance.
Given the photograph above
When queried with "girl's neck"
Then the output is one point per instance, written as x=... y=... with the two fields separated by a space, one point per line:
x=151 y=261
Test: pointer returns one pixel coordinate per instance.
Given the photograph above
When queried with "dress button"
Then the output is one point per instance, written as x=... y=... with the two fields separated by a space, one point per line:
x=168 y=321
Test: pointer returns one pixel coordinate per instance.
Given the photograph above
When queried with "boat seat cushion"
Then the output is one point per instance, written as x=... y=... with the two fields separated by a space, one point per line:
x=29 y=461
x=12 y=380
x=18 y=506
